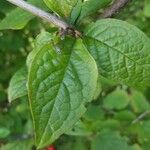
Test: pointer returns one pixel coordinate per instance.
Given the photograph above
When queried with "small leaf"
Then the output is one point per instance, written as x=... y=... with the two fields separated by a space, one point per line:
x=110 y=124
x=17 y=87
x=147 y=8
x=121 y=50
x=79 y=129
x=91 y=6
x=18 y=145
x=136 y=147
x=116 y=100
x=5 y=7
x=94 y=113
x=3 y=96
x=98 y=88
x=18 y=18
x=109 y=140
x=143 y=131
x=146 y=145
x=59 y=85
x=76 y=11
x=138 y=102
x=79 y=143
x=40 y=41
x=4 y=132
x=85 y=8
x=125 y=115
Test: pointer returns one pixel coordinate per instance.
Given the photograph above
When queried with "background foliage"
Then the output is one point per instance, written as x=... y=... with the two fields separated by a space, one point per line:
x=111 y=122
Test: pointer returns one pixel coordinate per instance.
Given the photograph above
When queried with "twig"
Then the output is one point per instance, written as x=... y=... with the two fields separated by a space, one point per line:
x=114 y=8
x=143 y=115
x=40 y=13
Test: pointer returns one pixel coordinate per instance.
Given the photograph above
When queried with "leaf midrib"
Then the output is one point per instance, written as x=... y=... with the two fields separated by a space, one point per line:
x=114 y=49
x=56 y=96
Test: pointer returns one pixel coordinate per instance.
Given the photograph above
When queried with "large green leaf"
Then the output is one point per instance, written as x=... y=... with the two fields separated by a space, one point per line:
x=17 y=87
x=121 y=50
x=60 y=83
x=61 y=7
x=18 y=18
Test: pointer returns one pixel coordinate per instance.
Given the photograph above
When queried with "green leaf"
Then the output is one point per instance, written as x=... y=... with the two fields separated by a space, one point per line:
x=98 y=88
x=125 y=115
x=4 y=132
x=118 y=99
x=5 y=7
x=86 y=8
x=146 y=145
x=17 y=86
x=79 y=143
x=109 y=140
x=94 y=113
x=6 y=121
x=91 y=6
x=138 y=102
x=61 y=7
x=143 y=131
x=18 y=145
x=80 y=129
x=3 y=96
x=18 y=18
x=121 y=50
x=59 y=84
x=136 y=147
x=76 y=11
x=40 y=41
x=110 y=124
x=147 y=8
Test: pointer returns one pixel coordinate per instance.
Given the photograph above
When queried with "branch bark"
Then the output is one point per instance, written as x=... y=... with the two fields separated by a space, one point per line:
x=40 y=13
x=108 y=12
x=143 y=115
x=114 y=8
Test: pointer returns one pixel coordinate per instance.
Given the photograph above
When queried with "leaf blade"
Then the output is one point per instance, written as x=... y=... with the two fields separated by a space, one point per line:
x=17 y=87
x=18 y=18
x=66 y=79
x=110 y=140
x=91 y=6
x=121 y=51
x=61 y=7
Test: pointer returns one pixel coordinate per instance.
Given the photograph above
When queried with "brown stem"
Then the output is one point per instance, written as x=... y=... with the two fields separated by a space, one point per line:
x=114 y=8
x=143 y=115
